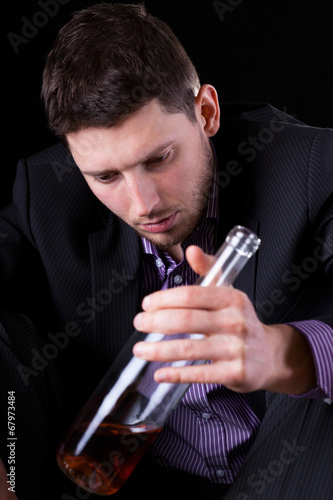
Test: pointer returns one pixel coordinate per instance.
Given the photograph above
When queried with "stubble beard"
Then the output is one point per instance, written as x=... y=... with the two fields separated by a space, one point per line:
x=199 y=199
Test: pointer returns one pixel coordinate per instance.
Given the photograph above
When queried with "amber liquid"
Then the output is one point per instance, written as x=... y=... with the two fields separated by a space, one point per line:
x=109 y=457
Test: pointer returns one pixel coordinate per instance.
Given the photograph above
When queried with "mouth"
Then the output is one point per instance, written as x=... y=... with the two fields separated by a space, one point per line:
x=160 y=226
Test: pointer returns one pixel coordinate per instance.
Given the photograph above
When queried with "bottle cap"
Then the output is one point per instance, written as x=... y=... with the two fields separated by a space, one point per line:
x=243 y=240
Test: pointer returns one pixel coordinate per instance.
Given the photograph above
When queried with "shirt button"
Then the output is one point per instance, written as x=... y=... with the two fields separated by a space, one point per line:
x=178 y=279
x=205 y=415
x=159 y=262
x=220 y=473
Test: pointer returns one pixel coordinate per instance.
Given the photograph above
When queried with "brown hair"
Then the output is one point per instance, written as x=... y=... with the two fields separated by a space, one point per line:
x=110 y=60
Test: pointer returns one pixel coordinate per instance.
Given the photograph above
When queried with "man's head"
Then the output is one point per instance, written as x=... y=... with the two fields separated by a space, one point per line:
x=120 y=89
x=109 y=61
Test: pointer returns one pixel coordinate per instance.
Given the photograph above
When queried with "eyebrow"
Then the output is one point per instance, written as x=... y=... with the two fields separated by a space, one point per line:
x=154 y=153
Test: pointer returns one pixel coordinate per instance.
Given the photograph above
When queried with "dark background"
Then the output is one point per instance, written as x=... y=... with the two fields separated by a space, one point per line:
x=256 y=50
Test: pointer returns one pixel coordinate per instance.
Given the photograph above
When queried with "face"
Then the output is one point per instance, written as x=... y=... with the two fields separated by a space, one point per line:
x=153 y=170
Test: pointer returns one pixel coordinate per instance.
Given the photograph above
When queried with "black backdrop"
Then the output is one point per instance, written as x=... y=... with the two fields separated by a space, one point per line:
x=256 y=50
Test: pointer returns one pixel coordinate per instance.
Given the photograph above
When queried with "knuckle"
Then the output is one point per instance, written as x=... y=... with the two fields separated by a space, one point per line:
x=240 y=326
x=239 y=374
x=152 y=322
x=154 y=351
x=239 y=299
x=236 y=323
x=176 y=378
x=188 y=294
x=188 y=350
x=241 y=356
x=200 y=376
x=187 y=316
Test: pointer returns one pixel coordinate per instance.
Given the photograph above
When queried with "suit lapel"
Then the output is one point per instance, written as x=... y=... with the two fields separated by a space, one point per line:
x=116 y=286
x=234 y=204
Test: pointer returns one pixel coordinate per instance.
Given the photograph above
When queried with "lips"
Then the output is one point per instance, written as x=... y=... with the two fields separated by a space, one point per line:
x=161 y=225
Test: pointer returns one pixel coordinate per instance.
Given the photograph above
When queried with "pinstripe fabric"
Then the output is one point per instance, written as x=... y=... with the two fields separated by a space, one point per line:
x=292 y=455
x=319 y=336
x=87 y=270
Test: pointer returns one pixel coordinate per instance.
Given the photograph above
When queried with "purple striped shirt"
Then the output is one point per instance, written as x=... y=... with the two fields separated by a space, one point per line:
x=319 y=336
x=211 y=430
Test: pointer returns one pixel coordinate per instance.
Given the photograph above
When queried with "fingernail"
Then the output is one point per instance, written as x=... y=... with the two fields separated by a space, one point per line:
x=137 y=322
x=138 y=350
x=160 y=376
x=146 y=302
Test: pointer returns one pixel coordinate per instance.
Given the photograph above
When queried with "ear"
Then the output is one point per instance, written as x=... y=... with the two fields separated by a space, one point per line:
x=208 y=109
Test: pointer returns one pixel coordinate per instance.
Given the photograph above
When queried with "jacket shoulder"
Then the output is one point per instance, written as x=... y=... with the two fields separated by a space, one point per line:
x=50 y=189
x=56 y=161
x=245 y=118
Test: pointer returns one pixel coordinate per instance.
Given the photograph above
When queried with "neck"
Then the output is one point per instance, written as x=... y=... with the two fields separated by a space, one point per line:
x=176 y=252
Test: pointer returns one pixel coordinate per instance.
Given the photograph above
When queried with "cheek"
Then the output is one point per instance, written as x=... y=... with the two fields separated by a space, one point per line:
x=179 y=178
x=182 y=182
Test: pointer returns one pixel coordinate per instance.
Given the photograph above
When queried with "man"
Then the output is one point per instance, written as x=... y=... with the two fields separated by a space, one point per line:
x=98 y=236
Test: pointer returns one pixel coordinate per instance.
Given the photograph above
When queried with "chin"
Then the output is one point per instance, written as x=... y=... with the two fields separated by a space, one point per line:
x=163 y=243
x=173 y=237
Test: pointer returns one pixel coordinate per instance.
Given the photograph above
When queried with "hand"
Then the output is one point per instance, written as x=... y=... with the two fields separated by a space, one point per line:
x=245 y=354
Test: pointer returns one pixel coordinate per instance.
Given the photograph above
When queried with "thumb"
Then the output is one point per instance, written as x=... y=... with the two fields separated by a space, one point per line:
x=198 y=260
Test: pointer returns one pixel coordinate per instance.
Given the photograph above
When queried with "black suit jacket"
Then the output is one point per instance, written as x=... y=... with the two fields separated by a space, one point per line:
x=71 y=272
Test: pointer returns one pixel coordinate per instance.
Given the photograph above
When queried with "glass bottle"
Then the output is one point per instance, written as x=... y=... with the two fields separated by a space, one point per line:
x=128 y=409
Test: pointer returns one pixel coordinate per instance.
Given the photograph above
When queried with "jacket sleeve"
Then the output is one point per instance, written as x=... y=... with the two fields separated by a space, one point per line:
x=18 y=255
x=319 y=331
x=22 y=315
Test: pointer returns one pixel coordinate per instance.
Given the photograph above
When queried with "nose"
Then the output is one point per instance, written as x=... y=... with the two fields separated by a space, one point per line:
x=144 y=195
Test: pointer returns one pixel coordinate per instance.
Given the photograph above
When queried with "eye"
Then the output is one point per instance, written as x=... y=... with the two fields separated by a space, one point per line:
x=159 y=159
x=105 y=178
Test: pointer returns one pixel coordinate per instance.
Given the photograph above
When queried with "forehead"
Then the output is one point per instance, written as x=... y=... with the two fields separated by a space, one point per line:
x=133 y=138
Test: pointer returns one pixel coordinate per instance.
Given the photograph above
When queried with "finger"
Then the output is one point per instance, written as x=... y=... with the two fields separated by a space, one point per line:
x=171 y=321
x=228 y=373
x=196 y=297
x=198 y=259
x=224 y=348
